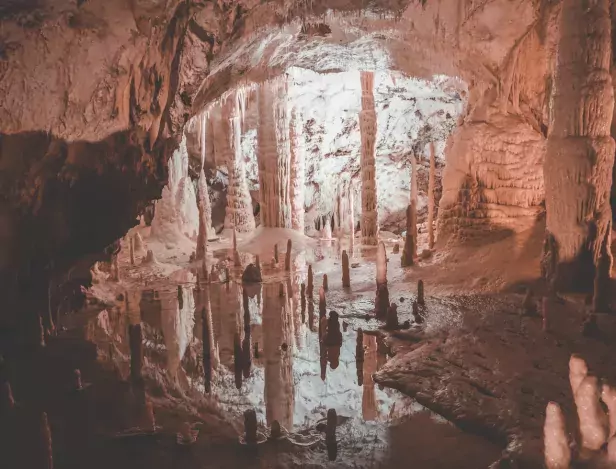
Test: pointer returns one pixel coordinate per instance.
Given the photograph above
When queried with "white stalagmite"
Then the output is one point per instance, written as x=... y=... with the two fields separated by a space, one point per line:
x=556 y=445
x=273 y=154
x=431 y=197
x=367 y=128
x=381 y=265
x=590 y=414
x=578 y=370
x=239 y=213
x=297 y=172
x=608 y=395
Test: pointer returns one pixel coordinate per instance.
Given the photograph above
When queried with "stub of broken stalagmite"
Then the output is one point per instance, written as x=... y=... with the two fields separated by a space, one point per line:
x=557 y=452
x=287 y=257
x=346 y=276
x=382 y=291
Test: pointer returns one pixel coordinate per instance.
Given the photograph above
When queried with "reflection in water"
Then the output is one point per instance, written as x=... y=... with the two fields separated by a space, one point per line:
x=248 y=348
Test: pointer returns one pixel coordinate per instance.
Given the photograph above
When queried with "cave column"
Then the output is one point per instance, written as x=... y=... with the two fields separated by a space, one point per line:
x=239 y=214
x=367 y=128
x=580 y=154
x=297 y=172
x=274 y=154
x=203 y=198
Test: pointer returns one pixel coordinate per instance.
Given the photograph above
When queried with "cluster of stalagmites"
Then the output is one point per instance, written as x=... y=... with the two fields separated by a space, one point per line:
x=596 y=428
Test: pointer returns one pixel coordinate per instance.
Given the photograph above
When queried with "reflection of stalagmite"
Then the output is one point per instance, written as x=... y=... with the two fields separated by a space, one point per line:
x=274 y=154
x=178 y=325
x=367 y=128
x=279 y=392
x=239 y=214
x=205 y=216
x=382 y=291
x=297 y=173
x=368 y=403
x=359 y=356
x=431 y=197
x=246 y=344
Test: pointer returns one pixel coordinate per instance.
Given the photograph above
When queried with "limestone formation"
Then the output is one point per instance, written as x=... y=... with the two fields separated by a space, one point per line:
x=115 y=269
x=276 y=259
x=396 y=249
x=556 y=445
x=149 y=257
x=346 y=276
x=287 y=257
x=250 y=427
x=131 y=242
x=310 y=286
x=330 y=434
x=420 y=293
x=239 y=215
x=578 y=370
x=325 y=282
x=139 y=245
x=274 y=154
x=417 y=317
x=368 y=128
x=251 y=274
x=303 y=297
x=205 y=216
x=431 y=197
x=408 y=253
x=382 y=291
x=392 y=317
x=351 y=218
x=593 y=431
x=580 y=153
x=297 y=172
x=322 y=303
x=608 y=396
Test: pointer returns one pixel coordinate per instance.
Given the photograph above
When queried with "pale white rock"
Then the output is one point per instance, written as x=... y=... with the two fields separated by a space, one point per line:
x=556 y=445
x=591 y=417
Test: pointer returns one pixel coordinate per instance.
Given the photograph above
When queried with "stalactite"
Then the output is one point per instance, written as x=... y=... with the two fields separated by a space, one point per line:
x=274 y=154
x=367 y=127
x=346 y=277
x=382 y=291
x=297 y=172
x=431 y=197
x=239 y=213
x=580 y=153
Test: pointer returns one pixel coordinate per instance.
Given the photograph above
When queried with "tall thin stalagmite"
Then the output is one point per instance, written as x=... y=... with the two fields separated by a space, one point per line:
x=367 y=128
x=410 y=244
x=431 y=197
x=239 y=214
x=382 y=291
x=297 y=172
x=346 y=277
x=287 y=257
x=352 y=216
x=580 y=153
x=310 y=286
x=273 y=154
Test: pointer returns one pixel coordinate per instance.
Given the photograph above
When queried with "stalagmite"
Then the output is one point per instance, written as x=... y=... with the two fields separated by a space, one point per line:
x=367 y=129
x=578 y=370
x=325 y=283
x=420 y=293
x=131 y=242
x=392 y=317
x=297 y=172
x=382 y=291
x=418 y=318
x=608 y=396
x=322 y=303
x=327 y=231
x=287 y=257
x=276 y=253
x=330 y=434
x=431 y=197
x=250 y=427
x=303 y=297
x=139 y=246
x=115 y=269
x=346 y=277
x=205 y=216
x=352 y=217
x=580 y=153
x=46 y=443
x=556 y=445
x=410 y=243
x=274 y=154
x=239 y=213
x=310 y=286
x=590 y=414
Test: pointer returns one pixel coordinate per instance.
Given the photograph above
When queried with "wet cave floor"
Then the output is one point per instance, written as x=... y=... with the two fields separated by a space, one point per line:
x=455 y=391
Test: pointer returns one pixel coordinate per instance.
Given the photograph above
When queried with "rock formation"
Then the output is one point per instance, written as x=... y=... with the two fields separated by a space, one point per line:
x=367 y=125
x=310 y=285
x=431 y=197
x=407 y=259
x=556 y=444
x=382 y=291
x=351 y=218
x=239 y=214
x=274 y=156
x=580 y=153
x=205 y=217
x=346 y=276
x=420 y=293
x=297 y=173
x=287 y=257
x=325 y=282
